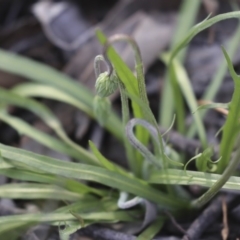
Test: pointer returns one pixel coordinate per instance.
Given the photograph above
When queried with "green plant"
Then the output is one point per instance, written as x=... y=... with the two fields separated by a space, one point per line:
x=152 y=176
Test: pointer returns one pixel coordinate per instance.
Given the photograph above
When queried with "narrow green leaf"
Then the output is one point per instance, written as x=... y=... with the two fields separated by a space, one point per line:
x=44 y=74
x=45 y=139
x=186 y=18
x=130 y=83
x=105 y=162
x=84 y=205
x=90 y=173
x=231 y=126
x=8 y=223
x=8 y=97
x=50 y=92
x=200 y=27
x=46 y=115
x=181 y=177
x=4 y=165
x=218 y=77
x=187 y=91
x=68 y=184
x=36 y=191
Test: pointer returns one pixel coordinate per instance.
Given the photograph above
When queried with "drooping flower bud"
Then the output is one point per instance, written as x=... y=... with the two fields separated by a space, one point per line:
x=101 y=107
x=106 y=85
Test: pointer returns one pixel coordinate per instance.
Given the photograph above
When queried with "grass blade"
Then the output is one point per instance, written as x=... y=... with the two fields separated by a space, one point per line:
x=186 y=20
x=104 y=161
x=200 y=27
x=69 y=184
x=46 y=115
x=218 y=78
x=36 y=191
x=187 y=91
x=130 y=82
x=90 y=173
x=45 y=139
x=12 y=223
x=231 y=127
x=44 y=74
x=50 y=92
x=181 y=177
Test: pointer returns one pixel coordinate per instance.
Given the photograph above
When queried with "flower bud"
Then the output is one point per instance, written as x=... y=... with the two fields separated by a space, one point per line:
x=101 y=107
x=106 y=85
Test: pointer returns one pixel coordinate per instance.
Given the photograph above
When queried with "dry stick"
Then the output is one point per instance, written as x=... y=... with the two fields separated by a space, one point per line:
x=174 y=222
x=225 y=230
x=100 y=233
x=208 y=216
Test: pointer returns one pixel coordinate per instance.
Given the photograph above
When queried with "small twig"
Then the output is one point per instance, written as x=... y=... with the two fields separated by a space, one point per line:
x=174 y=222
x=208 y=216
x=225 y=230
x=101 y=233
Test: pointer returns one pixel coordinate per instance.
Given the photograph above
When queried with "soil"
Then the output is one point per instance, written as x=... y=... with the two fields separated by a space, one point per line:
x=152 y=23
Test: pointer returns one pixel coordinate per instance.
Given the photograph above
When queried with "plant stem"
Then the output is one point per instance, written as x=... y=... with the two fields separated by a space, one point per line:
x=222 y=180
x=142 y=94
x=138 y=63
x=134 y=158
x=97 y=67
x=125 y=118
x=138 y=145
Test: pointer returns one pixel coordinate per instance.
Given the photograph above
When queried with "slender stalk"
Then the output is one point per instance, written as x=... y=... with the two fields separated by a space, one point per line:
x=134 y=158
x=97 y=68
x=138 y=145
x=138 y=63
x=148 y=115
x=125 y=119
x=142 y=94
